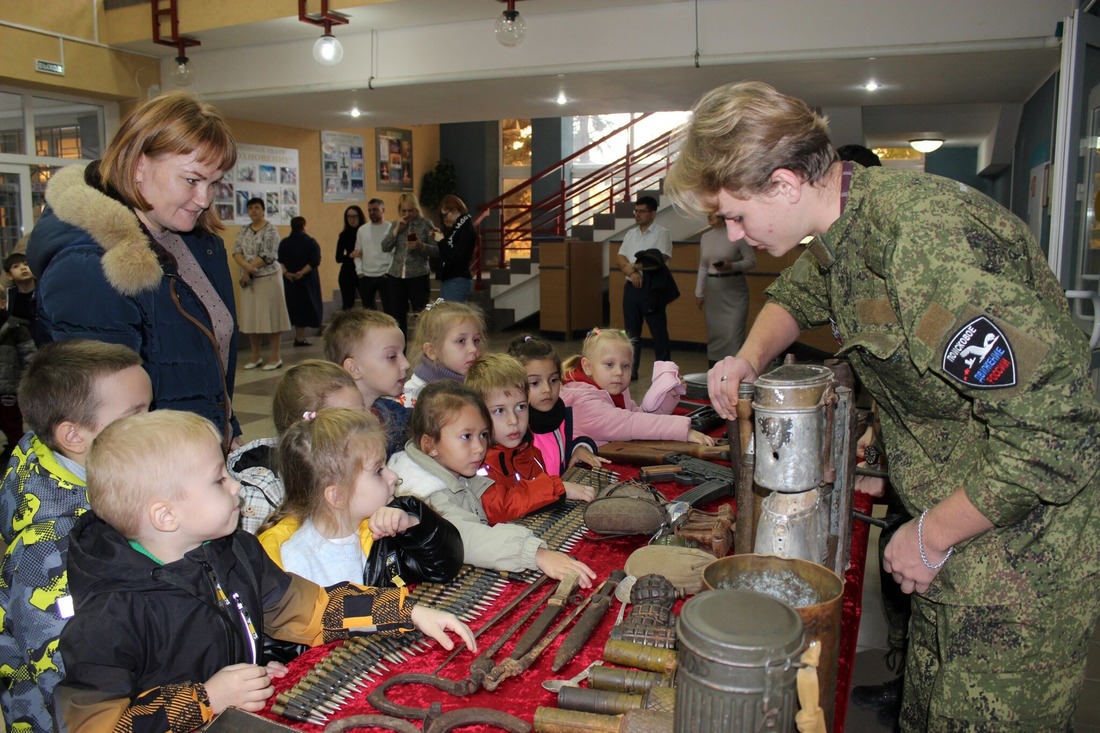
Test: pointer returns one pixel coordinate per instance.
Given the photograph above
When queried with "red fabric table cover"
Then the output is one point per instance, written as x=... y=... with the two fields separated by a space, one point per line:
x=521 y=695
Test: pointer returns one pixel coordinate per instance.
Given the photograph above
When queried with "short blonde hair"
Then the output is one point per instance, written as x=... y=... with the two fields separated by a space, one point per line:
x=437 y=319
x=598 y=338
x=349 y=327
x=738 y=135
x=497 y=371
x=141 y=458
x=304 y=388
x=409 y=200
x=176 y=123
x=330 y=448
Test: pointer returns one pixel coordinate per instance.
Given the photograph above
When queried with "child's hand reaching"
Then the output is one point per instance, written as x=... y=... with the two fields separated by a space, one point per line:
x=583 y=455
x=557 y=565
x=276 y=669
x=389 y=521
x=694 y=436
x=245 y=686
x=578 y=492
x=436 y=623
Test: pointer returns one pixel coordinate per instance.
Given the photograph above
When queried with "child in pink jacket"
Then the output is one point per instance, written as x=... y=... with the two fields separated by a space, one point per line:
x=596 y=386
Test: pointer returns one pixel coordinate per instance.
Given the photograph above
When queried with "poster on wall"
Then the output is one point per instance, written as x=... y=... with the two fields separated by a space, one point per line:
x=343 y=176
x=395 y=160
x=264 y=172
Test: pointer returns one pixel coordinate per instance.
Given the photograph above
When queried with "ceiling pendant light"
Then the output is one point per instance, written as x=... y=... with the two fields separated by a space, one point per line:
x=327 y=50
x=510 y=28
x=181 y=73
x=926 y=144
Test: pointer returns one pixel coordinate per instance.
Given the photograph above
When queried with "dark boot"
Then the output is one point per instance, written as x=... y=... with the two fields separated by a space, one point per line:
x=883 y=699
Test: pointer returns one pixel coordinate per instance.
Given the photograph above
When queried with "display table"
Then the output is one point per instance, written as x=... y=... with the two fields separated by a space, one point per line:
x=521 y=695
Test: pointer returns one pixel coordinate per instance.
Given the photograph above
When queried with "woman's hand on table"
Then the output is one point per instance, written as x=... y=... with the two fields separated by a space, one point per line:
x=694 y=436
x=557 y=565
x=435 y=623
x=724 y=381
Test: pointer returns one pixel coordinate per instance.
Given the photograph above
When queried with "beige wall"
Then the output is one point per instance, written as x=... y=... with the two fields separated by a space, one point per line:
x=90 y=69
x=325 y=221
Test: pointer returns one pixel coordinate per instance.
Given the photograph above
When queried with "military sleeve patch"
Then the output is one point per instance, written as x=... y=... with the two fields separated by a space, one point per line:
x=980 y=356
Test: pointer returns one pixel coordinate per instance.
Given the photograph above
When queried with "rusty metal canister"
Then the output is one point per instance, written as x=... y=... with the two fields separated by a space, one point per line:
x=789 y=419
x=820 y=612
x=738 y=651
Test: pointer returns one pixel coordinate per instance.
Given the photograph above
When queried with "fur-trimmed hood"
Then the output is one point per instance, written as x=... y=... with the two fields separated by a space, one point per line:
x=76 y=197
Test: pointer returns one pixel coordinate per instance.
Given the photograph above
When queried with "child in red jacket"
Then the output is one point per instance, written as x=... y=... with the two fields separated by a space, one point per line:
x=521 y=484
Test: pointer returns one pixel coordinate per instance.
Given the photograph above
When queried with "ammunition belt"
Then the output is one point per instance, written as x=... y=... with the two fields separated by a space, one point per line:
x=330 y=683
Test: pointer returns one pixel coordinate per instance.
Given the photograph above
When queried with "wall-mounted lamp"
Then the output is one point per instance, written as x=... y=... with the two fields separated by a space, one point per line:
x=327 y=51
x=926 y=144
x=510 y=28
x=181 y=73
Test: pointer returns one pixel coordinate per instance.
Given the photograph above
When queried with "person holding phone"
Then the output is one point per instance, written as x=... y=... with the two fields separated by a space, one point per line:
x=408 y=281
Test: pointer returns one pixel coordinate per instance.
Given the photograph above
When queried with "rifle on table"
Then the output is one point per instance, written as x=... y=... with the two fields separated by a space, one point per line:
x=650 y=452
x=704 y=418
x=710 y=480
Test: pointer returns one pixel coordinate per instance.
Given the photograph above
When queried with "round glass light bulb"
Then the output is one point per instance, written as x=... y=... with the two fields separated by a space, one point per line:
x=181 y=73
x=510 y=28
x=328 y=51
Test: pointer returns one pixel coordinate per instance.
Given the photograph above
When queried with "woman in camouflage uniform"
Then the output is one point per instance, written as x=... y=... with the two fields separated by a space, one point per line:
x=955 y=324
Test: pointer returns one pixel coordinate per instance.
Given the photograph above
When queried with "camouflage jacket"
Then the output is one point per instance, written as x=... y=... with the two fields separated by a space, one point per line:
x=40 y=501
x=955 y=324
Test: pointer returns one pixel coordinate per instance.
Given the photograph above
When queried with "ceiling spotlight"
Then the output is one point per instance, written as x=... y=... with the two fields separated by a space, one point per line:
x=872 y=86
x=181 y=73
x=327 y=51
x=561 y=98
x=355 y=112
x=510 y=27
x=926 y=144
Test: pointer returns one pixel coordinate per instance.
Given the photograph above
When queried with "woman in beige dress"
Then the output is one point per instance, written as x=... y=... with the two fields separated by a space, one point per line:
x=263 y=307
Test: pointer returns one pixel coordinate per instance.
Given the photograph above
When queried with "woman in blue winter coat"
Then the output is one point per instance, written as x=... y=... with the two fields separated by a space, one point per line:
x=127 y=252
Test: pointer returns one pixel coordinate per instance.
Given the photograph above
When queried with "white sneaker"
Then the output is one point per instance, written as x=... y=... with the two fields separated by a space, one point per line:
x=253 y=364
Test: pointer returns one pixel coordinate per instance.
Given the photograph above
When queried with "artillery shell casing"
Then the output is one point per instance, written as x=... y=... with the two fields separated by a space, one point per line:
x=603 y=702
x=602 y=677
x=638 y=656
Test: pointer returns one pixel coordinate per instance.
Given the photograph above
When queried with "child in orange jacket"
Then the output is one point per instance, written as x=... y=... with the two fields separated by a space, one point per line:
x=521 y=484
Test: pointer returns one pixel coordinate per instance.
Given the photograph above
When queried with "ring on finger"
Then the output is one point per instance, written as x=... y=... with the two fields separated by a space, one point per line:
x=724 y=378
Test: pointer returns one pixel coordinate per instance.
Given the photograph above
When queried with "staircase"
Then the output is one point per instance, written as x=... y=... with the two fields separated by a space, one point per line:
x=596 y=208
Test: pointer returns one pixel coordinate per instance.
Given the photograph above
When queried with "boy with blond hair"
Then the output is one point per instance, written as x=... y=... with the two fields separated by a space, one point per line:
x=370 y=346
x=521 y=484
x=69 y=393
x=172 y=599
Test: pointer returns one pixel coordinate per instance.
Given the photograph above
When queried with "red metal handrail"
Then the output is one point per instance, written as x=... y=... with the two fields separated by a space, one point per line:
x=577 y=202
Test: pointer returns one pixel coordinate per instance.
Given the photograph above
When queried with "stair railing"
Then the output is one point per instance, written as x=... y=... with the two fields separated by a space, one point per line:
x=573 y=203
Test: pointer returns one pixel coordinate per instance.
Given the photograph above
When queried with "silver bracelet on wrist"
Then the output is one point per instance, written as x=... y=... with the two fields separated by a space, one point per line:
x=920 y=546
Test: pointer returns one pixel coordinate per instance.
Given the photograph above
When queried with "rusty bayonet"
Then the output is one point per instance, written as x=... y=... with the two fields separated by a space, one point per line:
x=554 y=606
x=598 y=605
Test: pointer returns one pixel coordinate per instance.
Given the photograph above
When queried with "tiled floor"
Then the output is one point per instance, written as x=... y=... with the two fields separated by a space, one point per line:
x=253 y=404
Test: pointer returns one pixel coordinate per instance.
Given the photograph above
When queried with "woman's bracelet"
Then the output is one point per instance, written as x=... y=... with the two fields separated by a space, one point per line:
x=920 y=546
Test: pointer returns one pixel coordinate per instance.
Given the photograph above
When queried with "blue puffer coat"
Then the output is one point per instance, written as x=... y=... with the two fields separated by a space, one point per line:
x=101 y=276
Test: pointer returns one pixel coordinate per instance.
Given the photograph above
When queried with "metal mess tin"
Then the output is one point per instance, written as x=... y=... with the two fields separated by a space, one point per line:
x=788 y=405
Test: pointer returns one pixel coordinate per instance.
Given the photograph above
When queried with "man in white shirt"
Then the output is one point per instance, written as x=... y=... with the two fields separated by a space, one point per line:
x=637 y=305
x=372 y=264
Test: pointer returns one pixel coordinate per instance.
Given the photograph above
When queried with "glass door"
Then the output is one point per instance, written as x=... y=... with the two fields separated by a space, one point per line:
x=16 y=211
x=1075 y=200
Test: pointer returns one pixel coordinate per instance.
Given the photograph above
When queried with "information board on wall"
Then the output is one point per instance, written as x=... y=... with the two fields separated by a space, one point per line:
x=264 y=172
x=342 y=171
